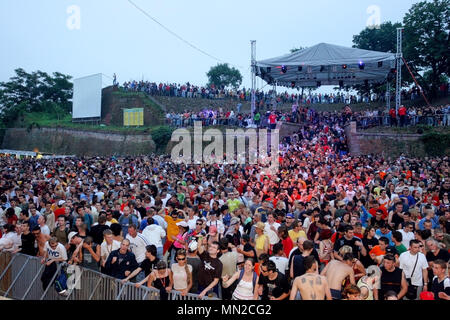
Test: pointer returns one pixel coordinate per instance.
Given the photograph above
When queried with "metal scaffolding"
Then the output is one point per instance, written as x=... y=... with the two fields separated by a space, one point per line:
x=399 y=62
x=253 y=63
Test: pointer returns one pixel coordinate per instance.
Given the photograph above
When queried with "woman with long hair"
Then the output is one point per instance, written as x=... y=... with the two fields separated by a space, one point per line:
x=182 y=273
x=247 y=279
x=161 y=279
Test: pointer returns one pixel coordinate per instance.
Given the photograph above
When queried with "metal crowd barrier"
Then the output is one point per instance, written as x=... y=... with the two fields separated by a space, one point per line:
x=20 y=279
x=435 y=120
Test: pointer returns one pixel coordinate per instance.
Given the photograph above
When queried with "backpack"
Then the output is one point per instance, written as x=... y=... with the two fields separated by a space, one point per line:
x=61 y=282
x=241 y=275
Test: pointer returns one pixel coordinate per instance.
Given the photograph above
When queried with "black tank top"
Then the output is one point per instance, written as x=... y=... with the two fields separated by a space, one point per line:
x=390 y=281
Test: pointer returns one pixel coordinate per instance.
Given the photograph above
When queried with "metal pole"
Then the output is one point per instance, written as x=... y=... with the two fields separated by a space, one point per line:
x=17 y=277
x=399 y=56
x=388 y=95
x=58 y=269
x=32 y=282
x=253 y=65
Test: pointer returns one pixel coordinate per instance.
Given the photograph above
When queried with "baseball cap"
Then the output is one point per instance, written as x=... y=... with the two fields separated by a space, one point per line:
x=183 y=224
x=61 y=202
x=71 y=235
x=234 y=221
x=290 y=215
x=212 y=230
x=193 y=245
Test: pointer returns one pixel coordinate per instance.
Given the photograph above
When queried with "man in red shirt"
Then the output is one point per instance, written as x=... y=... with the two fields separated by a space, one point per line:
x=393 y=117
x=61 y=210
x=272 y=120
x=402 y=115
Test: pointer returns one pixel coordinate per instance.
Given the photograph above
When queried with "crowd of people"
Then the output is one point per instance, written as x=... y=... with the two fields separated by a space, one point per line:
x=263 y=98
x=324 y=226
x=431 y=116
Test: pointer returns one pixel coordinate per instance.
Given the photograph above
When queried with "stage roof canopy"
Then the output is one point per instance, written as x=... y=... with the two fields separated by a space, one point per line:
x=326 y=64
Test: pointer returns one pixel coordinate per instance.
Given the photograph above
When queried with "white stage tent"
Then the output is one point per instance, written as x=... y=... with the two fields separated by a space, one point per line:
x=327 y=64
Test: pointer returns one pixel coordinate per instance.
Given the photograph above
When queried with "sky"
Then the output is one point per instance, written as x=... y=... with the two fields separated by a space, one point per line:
x=84 y=37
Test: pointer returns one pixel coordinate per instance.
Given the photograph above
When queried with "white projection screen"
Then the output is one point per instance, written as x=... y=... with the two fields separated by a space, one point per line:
x=87 y=97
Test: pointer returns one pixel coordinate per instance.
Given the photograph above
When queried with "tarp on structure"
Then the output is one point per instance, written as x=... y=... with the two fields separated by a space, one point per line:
x=327 y=64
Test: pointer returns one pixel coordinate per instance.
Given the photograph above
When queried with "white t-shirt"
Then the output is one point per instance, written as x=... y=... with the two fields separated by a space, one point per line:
x=137 y=246
x=282 y=263
x=45 y=229
x=59 y=252
x=106 y=249
x=407 y=262
x=407 y=237
x=273 y=235
x=192 y=222
x=350 y=195
x=154 y=233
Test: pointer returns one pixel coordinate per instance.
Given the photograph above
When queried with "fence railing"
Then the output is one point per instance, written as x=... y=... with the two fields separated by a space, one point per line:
x=434 y=120
x=20 y=279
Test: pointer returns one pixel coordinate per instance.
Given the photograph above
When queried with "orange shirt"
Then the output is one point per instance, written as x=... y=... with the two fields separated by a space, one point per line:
x=377 y=251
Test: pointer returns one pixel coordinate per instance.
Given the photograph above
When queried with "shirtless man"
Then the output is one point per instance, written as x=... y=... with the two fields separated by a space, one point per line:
x=41 y=239
x=336 y=271
x=311 y=285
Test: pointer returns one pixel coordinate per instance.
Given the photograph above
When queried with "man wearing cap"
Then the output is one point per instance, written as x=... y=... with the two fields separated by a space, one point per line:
x=194 y=260
x=289 y=223
x=233 y=233
x=54 y=253
x=392 y=278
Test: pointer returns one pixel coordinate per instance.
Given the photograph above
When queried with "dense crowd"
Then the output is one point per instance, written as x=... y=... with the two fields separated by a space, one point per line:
x=431 y=116
x=264 y=98
x=325 y=226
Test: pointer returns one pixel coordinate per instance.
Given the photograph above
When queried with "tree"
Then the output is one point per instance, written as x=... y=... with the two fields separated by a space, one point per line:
x=427 y=41
x=383 y=39
x=34 y=92
x=222 y=76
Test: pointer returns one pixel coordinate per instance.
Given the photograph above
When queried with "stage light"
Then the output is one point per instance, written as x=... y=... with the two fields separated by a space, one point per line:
x=380 y=64
x=322 y=68
x=341 y=83
x=319 y=83
x=283 y=69
x=344 y=66
x=300 y=68
x=293 y=84
x=361 y=65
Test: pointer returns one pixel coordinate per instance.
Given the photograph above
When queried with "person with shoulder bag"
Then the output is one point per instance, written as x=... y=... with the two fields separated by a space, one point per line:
x=414 y=264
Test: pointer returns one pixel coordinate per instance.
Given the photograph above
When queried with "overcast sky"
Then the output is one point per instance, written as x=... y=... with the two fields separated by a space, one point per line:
x=114 y=36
